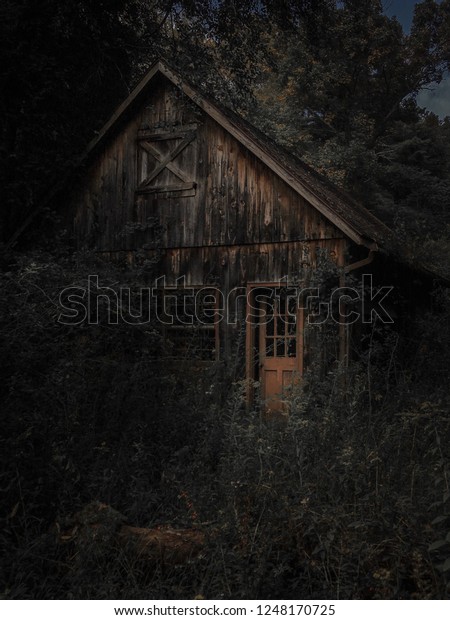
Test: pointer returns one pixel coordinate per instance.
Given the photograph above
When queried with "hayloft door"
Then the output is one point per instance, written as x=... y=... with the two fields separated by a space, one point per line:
x=280 y=346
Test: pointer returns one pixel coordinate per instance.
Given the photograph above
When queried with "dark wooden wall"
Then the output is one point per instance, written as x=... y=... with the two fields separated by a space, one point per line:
x=240 y=223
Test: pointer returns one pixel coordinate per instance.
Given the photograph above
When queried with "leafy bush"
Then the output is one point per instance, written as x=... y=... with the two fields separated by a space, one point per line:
x=347 y=497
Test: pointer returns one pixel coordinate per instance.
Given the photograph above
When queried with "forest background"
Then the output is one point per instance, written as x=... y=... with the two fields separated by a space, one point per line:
x=303 y=510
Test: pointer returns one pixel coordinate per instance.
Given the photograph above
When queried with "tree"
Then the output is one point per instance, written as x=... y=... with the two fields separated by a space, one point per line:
x=66 y=66
x=61 y=64
x=341 y=94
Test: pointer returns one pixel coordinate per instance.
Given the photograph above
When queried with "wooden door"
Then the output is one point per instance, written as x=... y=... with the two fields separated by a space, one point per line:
x=280 y=347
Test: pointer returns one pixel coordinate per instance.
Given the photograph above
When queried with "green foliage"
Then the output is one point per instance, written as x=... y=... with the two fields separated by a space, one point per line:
x=66 y=66
x=347 y=497
x=78 y=400
x=335 y=82
x=342 y=96
x=339 y=500
x=56 y=59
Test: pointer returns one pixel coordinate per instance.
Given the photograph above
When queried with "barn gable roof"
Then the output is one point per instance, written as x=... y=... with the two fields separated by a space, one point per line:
x=356 y=222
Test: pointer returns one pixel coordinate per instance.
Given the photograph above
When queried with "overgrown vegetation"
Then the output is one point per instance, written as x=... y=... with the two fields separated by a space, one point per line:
x=347 y=497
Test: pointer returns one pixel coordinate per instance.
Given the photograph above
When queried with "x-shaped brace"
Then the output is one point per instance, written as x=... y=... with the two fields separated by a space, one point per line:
x=166 y=161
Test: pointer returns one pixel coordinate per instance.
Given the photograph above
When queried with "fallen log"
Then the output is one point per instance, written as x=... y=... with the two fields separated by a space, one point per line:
x=164 y=543
x=100 y=524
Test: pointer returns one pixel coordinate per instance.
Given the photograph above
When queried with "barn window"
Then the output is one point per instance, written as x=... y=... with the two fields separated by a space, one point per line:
x=190 y=321
x=167 y=161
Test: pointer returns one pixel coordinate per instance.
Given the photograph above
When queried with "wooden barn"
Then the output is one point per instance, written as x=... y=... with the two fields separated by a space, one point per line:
x=231 y=216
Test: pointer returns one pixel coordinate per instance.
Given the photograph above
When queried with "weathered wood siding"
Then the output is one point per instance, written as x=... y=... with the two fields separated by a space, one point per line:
x=240 y=223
